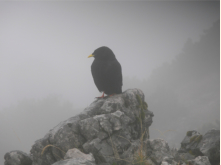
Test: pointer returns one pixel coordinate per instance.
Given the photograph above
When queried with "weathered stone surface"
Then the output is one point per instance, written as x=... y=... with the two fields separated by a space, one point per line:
x=76 y=157
x=17 y=158
x=158 y=150
x=200 y=160
x=210 y=146
x=191 y=142
x=183 y=157
x=202 y=145
x=76 y=161
x=129 y=155
x=105 y=129
x=167 y=163
x=164 y=163
x=169 y=160
x=155 y=152
x=75 y=153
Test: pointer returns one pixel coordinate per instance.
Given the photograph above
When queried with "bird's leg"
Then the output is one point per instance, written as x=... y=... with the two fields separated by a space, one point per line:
x=101 y=96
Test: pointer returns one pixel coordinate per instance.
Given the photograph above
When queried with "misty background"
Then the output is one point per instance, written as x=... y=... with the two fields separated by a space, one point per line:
x=170 y=50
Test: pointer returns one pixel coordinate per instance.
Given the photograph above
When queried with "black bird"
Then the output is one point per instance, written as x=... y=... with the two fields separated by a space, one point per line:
x=106 y=71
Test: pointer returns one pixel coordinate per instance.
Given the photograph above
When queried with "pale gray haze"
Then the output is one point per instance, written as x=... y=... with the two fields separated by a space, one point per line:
x=168 y=49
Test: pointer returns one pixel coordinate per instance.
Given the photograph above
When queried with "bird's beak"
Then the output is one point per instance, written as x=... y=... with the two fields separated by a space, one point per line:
x=90 y=56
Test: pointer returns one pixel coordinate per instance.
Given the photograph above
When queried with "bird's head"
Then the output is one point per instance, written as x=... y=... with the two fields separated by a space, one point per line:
x=103 y=53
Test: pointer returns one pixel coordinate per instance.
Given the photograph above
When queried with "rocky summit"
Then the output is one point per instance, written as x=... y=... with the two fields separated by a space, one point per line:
x=115 y=131
x=106 y=129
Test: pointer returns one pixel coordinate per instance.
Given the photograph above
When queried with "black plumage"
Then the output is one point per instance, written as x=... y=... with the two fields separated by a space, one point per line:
x=106 y=71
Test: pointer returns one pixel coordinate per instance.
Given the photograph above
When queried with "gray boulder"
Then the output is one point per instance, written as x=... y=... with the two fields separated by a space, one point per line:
x=202 y=145
x=200 y=160
x=76 y=157
x=150 y=151
x=183 y=157
x=106 y=129
x=210 y=146
x=75 y=153
x=17 y=158
x=158 y=150
x=129 y=155
x=190 y=143
x=76 y=161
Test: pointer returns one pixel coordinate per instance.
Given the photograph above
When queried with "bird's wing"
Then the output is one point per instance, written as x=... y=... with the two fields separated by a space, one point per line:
x=98 y=73
x=114 y=74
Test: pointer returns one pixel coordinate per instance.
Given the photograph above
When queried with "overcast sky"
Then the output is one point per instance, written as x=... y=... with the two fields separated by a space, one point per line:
x=44 y=45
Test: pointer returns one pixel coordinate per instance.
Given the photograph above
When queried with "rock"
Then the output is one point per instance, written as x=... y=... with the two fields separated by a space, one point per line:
x=210 y=146
x=173 y=151
x=207 y=145
x=155 y=151
x=76 y=161
x=17 y=158
x=164 y=163
x=172 y=163
x=169 y=159
x=190 y=143
x=76 y=157
x=130 y=153
x=200 y=160
x=158 y=150
x=183 y=157
x=106 y=129
x=75 y=153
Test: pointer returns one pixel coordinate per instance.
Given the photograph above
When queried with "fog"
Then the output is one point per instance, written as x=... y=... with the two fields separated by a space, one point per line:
x=170 y=50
